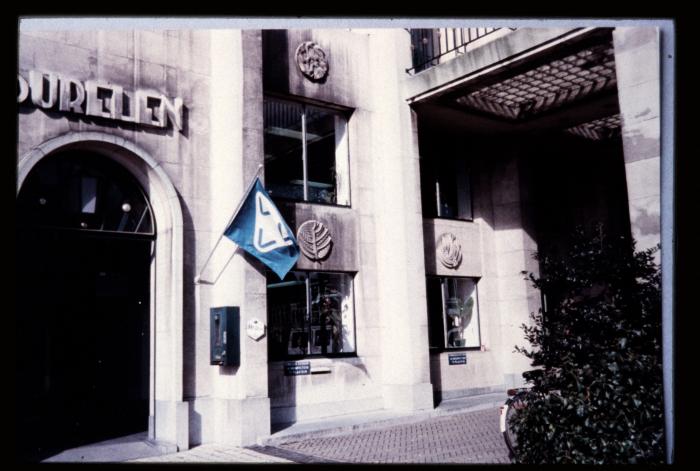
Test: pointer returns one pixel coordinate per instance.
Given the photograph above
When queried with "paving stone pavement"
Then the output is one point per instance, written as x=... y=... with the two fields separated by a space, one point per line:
x=469 y=437
x=214 y=453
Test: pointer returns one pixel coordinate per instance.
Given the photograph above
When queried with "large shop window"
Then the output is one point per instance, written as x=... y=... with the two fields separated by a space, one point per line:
x=310 y=314
x=306 y=153
x=445 y=188
x=453 y=313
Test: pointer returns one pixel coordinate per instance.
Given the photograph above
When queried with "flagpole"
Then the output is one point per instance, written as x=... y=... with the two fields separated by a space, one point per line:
x=197 y=279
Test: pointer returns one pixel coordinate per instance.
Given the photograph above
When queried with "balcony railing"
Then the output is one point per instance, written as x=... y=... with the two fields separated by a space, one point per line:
x=434 y=46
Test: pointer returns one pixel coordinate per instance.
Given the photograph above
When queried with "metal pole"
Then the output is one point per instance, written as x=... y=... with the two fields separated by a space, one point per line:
x=668 y=253
x=667 y=362
x=197 y=279
x=669 y=241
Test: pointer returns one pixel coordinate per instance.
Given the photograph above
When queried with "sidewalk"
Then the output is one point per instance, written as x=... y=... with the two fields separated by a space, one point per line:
x=115 y=450
x=269 y=450
x=348 y=423
x=215 y=453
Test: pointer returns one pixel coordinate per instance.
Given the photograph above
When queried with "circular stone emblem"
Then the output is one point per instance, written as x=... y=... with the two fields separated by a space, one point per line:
x=314 y=240
x=312 y=61
x=449 y=252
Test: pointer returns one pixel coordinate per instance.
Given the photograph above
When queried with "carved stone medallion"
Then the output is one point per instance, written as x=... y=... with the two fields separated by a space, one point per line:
x=449 y=252
x=312 y=61
x=314 y=239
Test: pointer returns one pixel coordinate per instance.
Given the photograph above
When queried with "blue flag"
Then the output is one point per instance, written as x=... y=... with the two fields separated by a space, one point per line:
x=259 y=229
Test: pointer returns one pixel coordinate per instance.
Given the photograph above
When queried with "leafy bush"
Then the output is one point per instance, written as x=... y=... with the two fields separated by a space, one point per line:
x=597 y=346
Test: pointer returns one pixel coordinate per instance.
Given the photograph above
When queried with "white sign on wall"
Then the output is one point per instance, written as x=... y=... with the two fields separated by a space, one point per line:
x=48 y=90
x=255 y=329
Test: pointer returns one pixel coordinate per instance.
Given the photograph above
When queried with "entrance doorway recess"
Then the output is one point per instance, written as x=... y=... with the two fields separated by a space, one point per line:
x=85 y=239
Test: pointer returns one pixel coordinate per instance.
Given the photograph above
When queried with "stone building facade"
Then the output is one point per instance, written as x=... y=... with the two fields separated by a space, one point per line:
x=435 y=185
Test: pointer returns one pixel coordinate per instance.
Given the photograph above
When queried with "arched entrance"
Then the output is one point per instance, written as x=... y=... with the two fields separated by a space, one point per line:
x=168 y=416
x=86 y=235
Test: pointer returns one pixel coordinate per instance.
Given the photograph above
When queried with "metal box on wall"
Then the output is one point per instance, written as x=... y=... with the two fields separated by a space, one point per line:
x=225 y=336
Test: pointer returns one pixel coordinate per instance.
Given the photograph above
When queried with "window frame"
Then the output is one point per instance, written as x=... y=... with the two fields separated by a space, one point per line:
x=345 y=113
x=443 y=325
x=307 y=321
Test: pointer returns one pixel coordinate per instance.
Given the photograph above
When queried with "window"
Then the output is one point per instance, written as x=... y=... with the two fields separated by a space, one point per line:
x=310 y=313
x=453 y=313
x=306 y=153
x=445 y=188
x=83 y=191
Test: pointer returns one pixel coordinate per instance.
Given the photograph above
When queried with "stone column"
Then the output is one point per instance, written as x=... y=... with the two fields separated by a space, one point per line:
x=254 y=403
x=515 y=244
x=637 y=65
x=232 y=404
x=399 y=229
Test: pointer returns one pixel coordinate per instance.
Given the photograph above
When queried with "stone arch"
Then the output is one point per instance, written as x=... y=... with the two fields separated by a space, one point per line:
x=168 y=414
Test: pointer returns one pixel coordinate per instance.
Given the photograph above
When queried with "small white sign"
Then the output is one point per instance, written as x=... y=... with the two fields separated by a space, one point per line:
x=255 y=329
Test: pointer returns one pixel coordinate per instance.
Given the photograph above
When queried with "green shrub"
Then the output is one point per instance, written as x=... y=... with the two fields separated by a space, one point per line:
x=597 y=344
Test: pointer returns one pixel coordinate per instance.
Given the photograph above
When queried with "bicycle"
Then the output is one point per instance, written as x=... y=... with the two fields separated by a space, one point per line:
x=517 y=400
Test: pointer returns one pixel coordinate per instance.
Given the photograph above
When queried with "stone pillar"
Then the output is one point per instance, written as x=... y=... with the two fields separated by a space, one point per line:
x=399 y=228
x=232 y=404
x=637 y=65
x=514 y=246
x=254 y=401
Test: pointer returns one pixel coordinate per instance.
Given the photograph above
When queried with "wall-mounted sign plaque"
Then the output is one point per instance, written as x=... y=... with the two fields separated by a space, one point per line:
x=457 y=359
x=255 y=329
x=296 y=368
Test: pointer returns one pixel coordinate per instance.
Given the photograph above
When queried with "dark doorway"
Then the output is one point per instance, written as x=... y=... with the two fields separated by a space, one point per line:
x=82 y=316
x=577 y=183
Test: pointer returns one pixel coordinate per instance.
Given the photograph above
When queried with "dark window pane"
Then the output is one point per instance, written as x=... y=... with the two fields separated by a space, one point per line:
x=423 y=47
x=287 y=319
x=428 y=189
x=464 y=191
x=321 y=154
x=330 y=328
x=435 y=328
x=283 y=149
x=85 y=191
x=131 y=213
x=445 y=188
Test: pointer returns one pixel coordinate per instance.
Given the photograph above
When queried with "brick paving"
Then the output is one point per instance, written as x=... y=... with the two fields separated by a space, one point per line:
x=466 y=437
x=469 y=437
